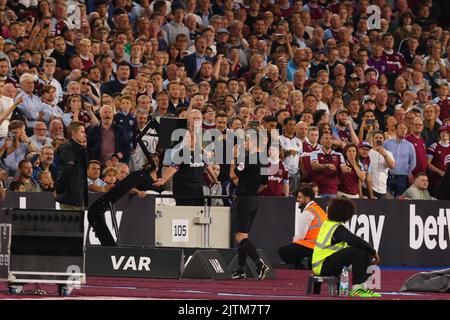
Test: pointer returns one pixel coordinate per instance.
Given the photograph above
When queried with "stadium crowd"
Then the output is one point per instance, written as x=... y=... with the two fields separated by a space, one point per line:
x=360 y=112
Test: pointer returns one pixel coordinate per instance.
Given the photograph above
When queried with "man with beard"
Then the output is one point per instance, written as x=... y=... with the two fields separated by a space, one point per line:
x=94 y=76
x=310 y=218
x=343 y=131
x=257 y=94
x=25 y=176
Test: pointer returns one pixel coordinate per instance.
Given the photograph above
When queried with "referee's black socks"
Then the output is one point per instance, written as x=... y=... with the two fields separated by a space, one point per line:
x=249 y=248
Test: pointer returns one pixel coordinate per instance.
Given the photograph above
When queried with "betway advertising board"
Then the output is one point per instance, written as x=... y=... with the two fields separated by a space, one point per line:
x=410 y=233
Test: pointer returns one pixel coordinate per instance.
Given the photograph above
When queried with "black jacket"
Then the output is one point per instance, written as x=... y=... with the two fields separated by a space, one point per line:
x=71 y=186
x=122 y=143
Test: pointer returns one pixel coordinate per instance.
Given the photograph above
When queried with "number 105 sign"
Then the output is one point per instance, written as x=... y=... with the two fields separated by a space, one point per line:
x=180 y=230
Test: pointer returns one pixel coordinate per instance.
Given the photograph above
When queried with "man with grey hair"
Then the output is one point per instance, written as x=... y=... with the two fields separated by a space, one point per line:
x=31 y=107
x=40 y=137
x=107 y=138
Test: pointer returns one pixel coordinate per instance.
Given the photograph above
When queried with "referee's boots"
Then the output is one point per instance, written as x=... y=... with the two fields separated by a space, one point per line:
x=238 y=274
x=262 y=270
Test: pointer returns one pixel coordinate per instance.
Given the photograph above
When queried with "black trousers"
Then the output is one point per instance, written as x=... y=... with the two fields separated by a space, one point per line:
x=357 y=257
x=293 y=253
x=247 y=206
x=188 y=194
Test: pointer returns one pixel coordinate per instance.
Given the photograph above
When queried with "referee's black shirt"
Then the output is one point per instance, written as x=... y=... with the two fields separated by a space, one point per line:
x=250 y=177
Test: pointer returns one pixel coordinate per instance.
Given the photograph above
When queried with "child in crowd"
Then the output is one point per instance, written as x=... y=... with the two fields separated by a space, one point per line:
x=110 y=176
x=45 y=181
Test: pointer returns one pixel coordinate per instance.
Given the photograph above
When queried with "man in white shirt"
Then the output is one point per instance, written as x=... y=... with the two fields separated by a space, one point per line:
x=5 y=106
x=47 y=79
x=381 y=160
x=292 y=149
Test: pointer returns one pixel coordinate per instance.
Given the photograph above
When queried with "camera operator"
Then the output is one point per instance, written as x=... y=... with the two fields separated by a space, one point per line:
x=381 y=160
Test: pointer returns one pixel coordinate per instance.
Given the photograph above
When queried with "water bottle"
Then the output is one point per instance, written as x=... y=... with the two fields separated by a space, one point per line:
x=343 y=283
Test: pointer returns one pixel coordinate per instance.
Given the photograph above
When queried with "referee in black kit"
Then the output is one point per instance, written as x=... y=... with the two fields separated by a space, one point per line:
x=188 y=174
x=250 y=180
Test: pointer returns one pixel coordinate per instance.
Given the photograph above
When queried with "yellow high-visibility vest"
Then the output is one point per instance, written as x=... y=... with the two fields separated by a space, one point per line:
x=323 y=248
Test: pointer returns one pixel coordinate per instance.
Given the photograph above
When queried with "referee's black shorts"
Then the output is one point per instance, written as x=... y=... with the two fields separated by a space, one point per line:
x=246 y=212
x=188 y=193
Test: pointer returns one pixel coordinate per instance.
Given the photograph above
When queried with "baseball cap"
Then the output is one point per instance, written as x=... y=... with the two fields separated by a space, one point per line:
x=21 y=60
x=341 y=111
x=445 y=127
x=364 y=144
x=223 y=30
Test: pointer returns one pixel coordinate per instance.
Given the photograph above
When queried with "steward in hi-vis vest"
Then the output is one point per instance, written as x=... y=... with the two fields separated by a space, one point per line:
x=336 y=247
x=308 y=224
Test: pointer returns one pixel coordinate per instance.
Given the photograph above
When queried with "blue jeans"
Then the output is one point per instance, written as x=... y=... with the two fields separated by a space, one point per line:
x=397 y=184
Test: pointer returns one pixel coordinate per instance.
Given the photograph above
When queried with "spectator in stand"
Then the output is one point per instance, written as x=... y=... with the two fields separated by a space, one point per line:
x=443 y=101
x=439 y=158
x=431 y=126
x=107 y=138
x=17 y=186
x=363 y=153
x=213 y=189
x=405 y=161
x=110 y=177
x=40 y=137
x=25 y=172
x=420 y=148
x=309 y=146
x=31 y=105
x=121 y=80
x=123 y=118
x=292 y=150
x=343 y=130
x=381 y=160
x=95 y=184
x=278 y=176
x=46 y=182
x=419 y=190
x=15 y=146
x=325 y=164
x=350 y=183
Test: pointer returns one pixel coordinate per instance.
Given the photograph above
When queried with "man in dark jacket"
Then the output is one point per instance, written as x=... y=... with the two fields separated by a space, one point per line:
x=106 y=139
x=71 y=187
x=117 y=85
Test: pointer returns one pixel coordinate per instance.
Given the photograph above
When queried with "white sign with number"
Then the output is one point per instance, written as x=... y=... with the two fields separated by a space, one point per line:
x=180 y=230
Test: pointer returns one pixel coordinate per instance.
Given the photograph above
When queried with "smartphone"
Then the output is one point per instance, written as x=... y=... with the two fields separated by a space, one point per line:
x=370 y=121
x=46 y=26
